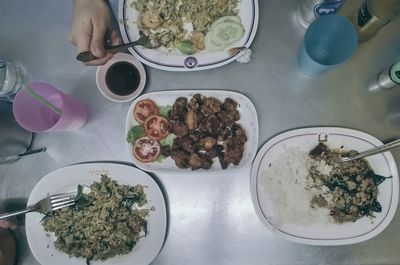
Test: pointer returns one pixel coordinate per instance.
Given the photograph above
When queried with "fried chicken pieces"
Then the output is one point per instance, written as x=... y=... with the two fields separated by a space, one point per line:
x=205 y=129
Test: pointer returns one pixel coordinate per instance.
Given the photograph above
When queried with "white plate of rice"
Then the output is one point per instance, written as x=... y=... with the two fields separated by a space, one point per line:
x=172 y=59
x=278 y=181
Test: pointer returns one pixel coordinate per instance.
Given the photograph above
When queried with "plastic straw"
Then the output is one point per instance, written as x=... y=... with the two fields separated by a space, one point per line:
x=43 y=100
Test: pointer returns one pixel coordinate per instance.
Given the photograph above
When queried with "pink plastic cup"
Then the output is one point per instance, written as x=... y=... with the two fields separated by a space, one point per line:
x=34 y=116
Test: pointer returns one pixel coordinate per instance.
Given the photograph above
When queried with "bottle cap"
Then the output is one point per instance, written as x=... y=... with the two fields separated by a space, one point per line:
x=394 y=73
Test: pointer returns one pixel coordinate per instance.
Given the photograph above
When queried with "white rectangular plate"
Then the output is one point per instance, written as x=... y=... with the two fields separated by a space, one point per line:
x=248 y=121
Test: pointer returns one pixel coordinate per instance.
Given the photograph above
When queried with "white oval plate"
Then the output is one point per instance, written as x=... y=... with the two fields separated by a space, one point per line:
x=163 y=59
x=67 y=179
x=329 y=233
x=248 y=121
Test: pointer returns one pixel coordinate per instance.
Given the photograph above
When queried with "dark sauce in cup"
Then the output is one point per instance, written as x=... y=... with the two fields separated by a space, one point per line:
x=122 y=78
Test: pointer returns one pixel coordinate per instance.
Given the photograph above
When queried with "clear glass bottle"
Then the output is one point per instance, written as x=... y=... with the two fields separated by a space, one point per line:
x=11 y=79
x=373 y=15
x=309 y=10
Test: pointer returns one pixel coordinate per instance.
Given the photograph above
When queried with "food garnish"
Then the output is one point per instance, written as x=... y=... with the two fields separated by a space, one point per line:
x=147 y=137
x=107 y=221
x=146 y=150
x=224 y=32
x=135 y=133
x=156 y=127
x=144 y=109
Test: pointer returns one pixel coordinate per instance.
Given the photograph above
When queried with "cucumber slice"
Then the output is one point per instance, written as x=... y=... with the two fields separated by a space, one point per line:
x=227 y=32
x=234 y=19
x=222 y=35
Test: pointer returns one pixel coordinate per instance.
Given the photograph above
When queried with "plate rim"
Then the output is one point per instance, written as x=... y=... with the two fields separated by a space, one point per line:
x=229 y=59
x=324 y=242
x=99 y=164
x=185 y=92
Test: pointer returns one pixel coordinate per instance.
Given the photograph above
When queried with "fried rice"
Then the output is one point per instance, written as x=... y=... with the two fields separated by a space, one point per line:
x=168 y=22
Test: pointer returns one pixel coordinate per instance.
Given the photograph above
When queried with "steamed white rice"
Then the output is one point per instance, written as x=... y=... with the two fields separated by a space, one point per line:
x=289 y=191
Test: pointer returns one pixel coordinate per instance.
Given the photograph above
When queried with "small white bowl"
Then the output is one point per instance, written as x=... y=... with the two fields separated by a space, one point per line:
x=101 y=77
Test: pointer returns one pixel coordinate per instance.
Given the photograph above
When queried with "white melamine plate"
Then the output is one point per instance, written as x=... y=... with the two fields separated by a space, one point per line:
x=248 y=121
x=173 y=60
x=67 y=179
x=326 y=233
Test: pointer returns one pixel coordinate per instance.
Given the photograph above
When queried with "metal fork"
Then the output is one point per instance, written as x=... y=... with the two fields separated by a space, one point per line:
x=143 y=41
x=46 y=205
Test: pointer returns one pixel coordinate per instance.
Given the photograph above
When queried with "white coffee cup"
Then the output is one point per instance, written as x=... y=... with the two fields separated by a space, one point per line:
x=122 y=78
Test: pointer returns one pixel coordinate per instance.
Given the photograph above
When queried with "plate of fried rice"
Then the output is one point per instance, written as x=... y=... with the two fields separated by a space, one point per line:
x=119 y=217
x=189 y=35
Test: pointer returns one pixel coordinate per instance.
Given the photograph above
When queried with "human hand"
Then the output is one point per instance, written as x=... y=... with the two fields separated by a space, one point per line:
x=90 y=25
x=6 y=224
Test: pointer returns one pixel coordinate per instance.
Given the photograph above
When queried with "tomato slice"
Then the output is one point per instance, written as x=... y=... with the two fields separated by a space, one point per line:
x=144 y=109
x=156 y=127
x=146 y=149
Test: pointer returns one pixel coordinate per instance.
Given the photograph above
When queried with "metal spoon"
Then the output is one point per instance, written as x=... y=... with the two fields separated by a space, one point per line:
x=373 y=151
x=143 y=41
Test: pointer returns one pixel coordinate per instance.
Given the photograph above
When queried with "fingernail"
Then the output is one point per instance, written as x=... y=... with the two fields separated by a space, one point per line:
x=98 y=51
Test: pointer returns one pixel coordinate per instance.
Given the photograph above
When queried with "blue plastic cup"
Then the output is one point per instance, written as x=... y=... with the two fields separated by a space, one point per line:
x=329 y=40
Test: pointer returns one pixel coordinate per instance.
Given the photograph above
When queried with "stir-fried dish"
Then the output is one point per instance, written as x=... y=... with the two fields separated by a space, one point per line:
x=106 y=222
x=206 y=128
x=184 y=24
x=349 y=190
x=193 y=132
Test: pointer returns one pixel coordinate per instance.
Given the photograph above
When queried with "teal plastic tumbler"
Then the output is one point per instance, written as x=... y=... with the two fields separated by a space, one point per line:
x=329 y=40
